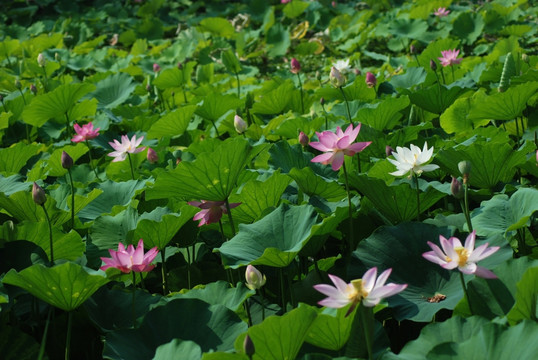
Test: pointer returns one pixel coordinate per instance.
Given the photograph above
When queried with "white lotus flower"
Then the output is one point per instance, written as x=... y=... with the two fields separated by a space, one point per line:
x=342 y=65
x=412 y=160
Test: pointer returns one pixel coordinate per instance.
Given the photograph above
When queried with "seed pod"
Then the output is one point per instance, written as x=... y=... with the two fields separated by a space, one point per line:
x=509 y=70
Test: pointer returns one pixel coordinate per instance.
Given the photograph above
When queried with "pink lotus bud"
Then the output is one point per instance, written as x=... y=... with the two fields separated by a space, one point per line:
x=336 y=78
x=66 y=160
x=456 y=188
x=152 y=156
x=254 y=278
x=412 y=49
x=295 y=66
x=303 y=139
x=388 y=150
x=371 y=81
x=239 y=124
x=179 y=65
x=38 y=194
x=322 y=101
x=156 y=67
x=33 y=89
x=248 y=347
x=41 y=61
x=433 y=65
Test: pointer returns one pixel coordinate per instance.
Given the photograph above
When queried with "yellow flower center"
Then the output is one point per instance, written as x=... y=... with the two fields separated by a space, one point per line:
x=463 y=255
x=358 y=293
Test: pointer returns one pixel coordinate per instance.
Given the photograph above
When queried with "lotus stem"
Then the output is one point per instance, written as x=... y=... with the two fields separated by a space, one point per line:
x=466 y=203
x=228 y=210
x=465 y=292
x=44 y=338
x=325 y=115
x=131 y=165
x=90 y=156
x=163 y=271
x=238 y=85
x=443 y=75
x=134 y=298
x=282 y=289
x=50 y=234
x=367 y=316
x=301 y=88
x=350 y=210
x=68 y=338
x=347 y=105
x=188 y=268
x=67 y=126
x=72 y=199
x=247 y=309
x=418 y=197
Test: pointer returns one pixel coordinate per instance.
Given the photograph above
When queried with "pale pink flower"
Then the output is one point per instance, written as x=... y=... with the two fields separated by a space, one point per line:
x=295 y=66
x=369 y=290
x=453 y=255
x=303 y=139
x=255 y=279
x=336 y=146
x=285 y=1
x=84 y=133
x=239 y=124
x=127 y=260
x=211 y=211
x=126 y=146
x=450 y=57
x=440 y=12
x=152 y=156
x=156 y=67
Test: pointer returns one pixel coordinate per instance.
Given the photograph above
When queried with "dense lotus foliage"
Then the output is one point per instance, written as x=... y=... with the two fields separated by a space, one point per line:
x=187 y=179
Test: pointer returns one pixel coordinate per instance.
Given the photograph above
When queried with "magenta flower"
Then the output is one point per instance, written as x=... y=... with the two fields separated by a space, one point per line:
x=156 y=67
x=152 y=156
x=211 y=211
x=441 y=12
x=371 y=81
x=84 y=133
x=295 y=66
x=450 y=58
x=126 y=146
x=463 y=257
x=337 y=145
x=130 y=259
x=369 y=290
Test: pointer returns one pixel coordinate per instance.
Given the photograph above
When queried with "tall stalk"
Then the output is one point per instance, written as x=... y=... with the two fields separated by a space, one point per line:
x=91 y=160
x=131 y=165
x=350 y=210
x=50 y=234
x=347 y=105
x=163 y=271
x=418 y=197
x=466 y=293
x=68 y=338
x=301 y=88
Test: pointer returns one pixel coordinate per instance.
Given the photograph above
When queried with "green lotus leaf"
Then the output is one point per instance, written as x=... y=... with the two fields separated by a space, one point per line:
x=54 y=165
x=436 y=99
x=187 y=350
x=212 y=327
x=231 y=61
x=454 y=119
x=413 y=76
x=275 y=101
x=526 y=306
x=15 y=157
x=331 y=329
x=172 y=124
x=384 y=115
x=468 y=27
x=215 y=105
x=312 y=184
x=66 y=286
x=212 y=176
x=278 y=40
x=107 y=231
x=274 y=240
x=113 y=90
x=218 y=26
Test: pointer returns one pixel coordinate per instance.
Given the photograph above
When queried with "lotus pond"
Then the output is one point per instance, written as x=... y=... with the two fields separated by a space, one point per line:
x=268 y=180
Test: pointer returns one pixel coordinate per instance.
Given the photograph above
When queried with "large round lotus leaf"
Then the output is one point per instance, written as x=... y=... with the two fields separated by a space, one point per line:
x=212 y=327
x=65 y=286
x=274 y=240
x=178 y=349
x=400 y=248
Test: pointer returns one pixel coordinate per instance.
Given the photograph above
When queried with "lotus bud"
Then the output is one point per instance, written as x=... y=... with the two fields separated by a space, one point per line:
x=18 y=84
x=525 y=58
x=152 y=156
x=67 y=161
x=254 y=278
x=33 y=89
x=57 y=57
x=433 y=65
x=38 y=194
x=336 y=78
x=412 y=49
x=10 y=231
x=239 y=124
x=322 y=101
x=148 y=87
x=303 y=139
x=371 y=81
x=156 y=67
x=248 y=346
x=41 y=61
x=357 y=72
x=179 y=65
x=456 y=188
x=465 y=170
x=295 y=66
x=388 y=150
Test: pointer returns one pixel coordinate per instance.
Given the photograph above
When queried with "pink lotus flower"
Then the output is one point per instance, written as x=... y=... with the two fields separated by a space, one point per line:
x=211 y=211
x=303 y=139
x=337 y=145
x=255 y=279
x=450 y=57
x=126 y=146
x=371 y=81
x=84 y=133
x=295 y=66
x=367 y=290
x=152 y=156
x=463 y=257
x=240 y=125
x=440 y=12
x=156 y=67
x=130 y=259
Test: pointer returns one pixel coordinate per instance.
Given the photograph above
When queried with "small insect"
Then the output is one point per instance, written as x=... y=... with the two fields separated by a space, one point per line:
x=436 y=298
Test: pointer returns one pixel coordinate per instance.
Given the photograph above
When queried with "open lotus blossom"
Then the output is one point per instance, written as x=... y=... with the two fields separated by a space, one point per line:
x=450 y=57
x=126 y=146
x=130 y=259
x=441 y=12
x=453 y=255
x=412 y=160
x=336 y=78
x=211 y=211
x=255 y=279
x=342 y=66
x=84 y=133
x=369 y=290
x=336 y=146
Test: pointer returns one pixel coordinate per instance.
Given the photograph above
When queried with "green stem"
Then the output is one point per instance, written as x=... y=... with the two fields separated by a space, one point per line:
x=91 y=160
x=68 y=338
x=229 y=274
x=247 y=309
x=261 y=295
x=290 y=288
x=282 y=299
x=467 y=218
x=466 y=201
x=44 y=338
x=50 y=234
x=131 y=165
x=67 y=126
x=184 y=95
x=418 y=197
x=347 y=105
x=163 y=271
x=367 y=316
x=301 y=88
x=416 y=58
x=443 y=75
x=350 y=210
x=72 y=199
x=325 y=115
x=465 y=292
x=439 y=85
x=230 y=216
x=134 y=297
x=453 y=77
x=46 y=79
x=215 y=126
x=238 y=85
x=188 y=268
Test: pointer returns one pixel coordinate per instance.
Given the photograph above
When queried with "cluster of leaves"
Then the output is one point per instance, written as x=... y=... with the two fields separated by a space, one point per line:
x=218 y=59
